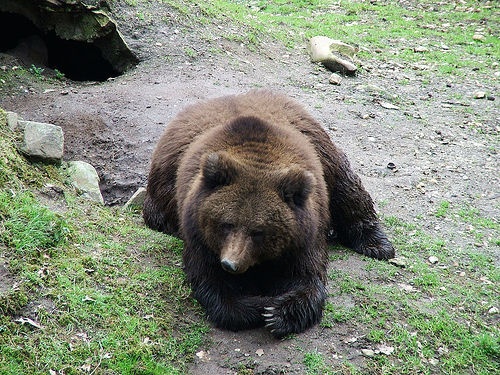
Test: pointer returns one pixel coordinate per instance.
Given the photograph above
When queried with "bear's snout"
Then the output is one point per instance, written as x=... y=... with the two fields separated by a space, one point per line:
x=236 y=253
x=229 y=266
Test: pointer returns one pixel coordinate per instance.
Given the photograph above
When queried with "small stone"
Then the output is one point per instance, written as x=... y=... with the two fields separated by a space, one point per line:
x=259 y=352
x=335 y=79
x=433 y=361
x=420 y=49
x=367 y=352
x=479 y=95
x=137 y=199
x=433 y=259
x=388 y=105
x=490 y=97
x=391 y=166
x=493 y=310
x=387 y=350
x=201 y=354
x=398 y=261
x=478 y=36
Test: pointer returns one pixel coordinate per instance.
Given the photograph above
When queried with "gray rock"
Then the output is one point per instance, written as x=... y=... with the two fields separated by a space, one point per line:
x=137 y=199
x=335 y=79
x=84 y=178
x=12 y=120
x=42 y=141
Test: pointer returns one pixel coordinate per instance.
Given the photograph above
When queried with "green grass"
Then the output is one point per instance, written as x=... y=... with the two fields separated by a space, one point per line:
x=104 y=293
x=379 y=28
x=435 y=316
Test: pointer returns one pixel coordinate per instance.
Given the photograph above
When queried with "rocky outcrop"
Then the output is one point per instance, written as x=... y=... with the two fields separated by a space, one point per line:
x=45 y=143
x=83 y=21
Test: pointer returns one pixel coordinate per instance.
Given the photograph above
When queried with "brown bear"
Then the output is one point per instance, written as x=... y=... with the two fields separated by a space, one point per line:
x=254 y=187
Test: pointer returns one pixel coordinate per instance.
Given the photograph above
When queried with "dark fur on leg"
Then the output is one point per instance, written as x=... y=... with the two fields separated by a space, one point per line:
x=369 y=239
x=298 y=309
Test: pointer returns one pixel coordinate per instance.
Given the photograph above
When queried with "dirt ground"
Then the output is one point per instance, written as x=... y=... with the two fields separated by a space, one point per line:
x=443 y=148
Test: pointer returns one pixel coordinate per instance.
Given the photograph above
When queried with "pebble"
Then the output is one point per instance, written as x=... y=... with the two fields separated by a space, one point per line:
x=259 y=352
x=335 y=79
x=433 y=259
x=479 y=95
x=388 y=105
x=478 y=37
x=493 y=310
x=387 y=350
x=202 y=355
x=420 y=49
x=368 y=352
x=433 y=361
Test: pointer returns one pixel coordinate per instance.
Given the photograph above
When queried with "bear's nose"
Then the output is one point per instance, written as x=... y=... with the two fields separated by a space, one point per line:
x=229 y=265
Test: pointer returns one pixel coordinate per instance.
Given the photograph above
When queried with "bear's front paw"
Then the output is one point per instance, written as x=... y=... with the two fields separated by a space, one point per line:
x=275 y=322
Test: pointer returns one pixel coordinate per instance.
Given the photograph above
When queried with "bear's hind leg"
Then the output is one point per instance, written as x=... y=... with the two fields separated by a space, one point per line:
x=353 y=216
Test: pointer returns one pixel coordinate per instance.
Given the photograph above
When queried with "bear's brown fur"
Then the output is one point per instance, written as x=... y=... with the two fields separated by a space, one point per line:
x=254 y=185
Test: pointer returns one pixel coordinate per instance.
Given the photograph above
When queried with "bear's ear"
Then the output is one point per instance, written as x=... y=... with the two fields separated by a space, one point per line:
x=296 y=184
x=218 y=169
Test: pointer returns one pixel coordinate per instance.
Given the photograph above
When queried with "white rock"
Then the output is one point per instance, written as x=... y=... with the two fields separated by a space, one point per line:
x=479 y=95
x=335 y=79
x=85 y=180
x=387 y=350
x=493 y=310
x=433 y=259
x=137 y=199
x=43 y=141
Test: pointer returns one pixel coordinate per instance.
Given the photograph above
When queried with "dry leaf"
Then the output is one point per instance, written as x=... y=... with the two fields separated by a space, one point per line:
x=29 y=321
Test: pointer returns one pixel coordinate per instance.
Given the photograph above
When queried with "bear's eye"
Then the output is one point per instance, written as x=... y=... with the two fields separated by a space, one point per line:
x=257 y=236
x=226 y=228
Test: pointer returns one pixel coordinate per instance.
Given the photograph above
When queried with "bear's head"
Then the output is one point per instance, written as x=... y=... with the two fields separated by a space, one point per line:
x=251 y=213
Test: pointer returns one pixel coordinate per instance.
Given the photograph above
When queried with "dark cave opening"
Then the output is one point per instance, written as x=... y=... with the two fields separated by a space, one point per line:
x=78 y=61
